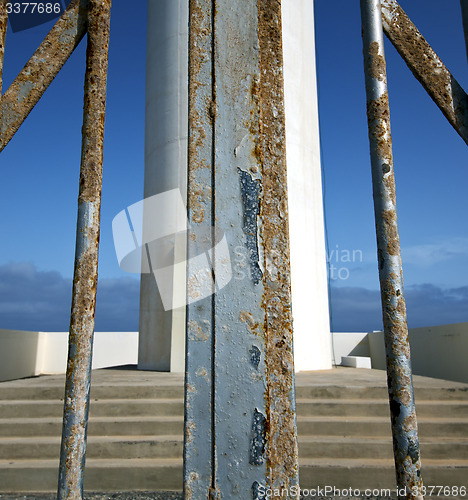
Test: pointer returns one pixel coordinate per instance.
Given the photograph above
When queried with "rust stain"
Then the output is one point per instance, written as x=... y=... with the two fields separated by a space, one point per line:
x=282 y=454
x=86 y=260
x=248 y=319
x=44 y=65
x=197 y=331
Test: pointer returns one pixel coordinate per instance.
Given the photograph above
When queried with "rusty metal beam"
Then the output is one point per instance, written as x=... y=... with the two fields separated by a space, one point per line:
x=426 y=66
x=3 y=29
x=282 y=463
x=240 y=431
x=399 y=375
x=464 y=11
x=39 y=72
x=78 y=378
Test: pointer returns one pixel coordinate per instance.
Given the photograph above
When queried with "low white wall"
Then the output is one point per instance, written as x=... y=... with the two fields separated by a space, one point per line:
x=28 y=354
x=436 y=351
x=349 y=344
x=18 y=354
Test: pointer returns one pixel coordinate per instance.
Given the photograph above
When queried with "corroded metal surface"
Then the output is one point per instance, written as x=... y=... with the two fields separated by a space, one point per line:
x=426 y=66
x=464 y=11
x=282 y=453
x=3 y=29
x=399 y=376
x=199 y=466
x=237 y=183
x=78 y=379
x=39 y=72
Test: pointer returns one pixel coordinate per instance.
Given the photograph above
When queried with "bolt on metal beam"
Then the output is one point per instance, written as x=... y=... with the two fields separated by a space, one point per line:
x=3 y=29
x=240 y=429
x=426 y=66
x=78 y=378
x=399 y=375
x=464 y=11
x=39 y=72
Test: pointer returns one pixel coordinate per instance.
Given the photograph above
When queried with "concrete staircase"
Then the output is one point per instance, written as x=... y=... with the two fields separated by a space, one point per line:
x=136 y=424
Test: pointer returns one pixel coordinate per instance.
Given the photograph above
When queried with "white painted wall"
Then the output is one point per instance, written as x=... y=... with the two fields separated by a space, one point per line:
x=312 y=340
x=436 y=351
x=28 y=354
x=349 y=344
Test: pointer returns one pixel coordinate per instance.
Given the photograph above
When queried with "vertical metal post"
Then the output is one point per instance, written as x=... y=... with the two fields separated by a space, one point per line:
x=240 y=430
x=78 y=379
x=399 y=376
x=464 y=11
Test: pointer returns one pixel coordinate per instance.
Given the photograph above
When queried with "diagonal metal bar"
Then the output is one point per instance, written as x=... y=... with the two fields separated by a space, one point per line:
x=78 y=378
x=399 y=375
x=464 y=11
x=3 y=28
x=426 y=66
x=39 y=72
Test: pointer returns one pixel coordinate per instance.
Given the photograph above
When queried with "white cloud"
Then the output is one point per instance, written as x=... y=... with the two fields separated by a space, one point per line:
x=431 y=254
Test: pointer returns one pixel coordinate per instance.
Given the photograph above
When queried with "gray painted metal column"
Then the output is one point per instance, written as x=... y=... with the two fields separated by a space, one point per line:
x=399 y=375
x=240 y=428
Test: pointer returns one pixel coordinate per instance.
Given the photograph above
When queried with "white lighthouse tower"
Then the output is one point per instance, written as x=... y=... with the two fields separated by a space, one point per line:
x=162 y=332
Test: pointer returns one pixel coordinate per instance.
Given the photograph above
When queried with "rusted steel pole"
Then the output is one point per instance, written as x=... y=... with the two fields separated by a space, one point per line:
x=39 y=72
x=78 y=380
x=3 y=28
x=426 y=66
x=399 y=376
x=464 y=10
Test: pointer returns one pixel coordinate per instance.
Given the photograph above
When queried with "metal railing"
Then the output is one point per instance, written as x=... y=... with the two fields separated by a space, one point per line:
x=268 y=454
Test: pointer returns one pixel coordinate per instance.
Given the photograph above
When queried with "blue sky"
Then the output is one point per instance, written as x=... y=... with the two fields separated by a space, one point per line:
x=40 y=169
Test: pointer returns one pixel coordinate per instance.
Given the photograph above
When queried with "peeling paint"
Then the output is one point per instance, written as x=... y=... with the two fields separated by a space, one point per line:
x=251 y=191
x=255 y=356
x=257 y=448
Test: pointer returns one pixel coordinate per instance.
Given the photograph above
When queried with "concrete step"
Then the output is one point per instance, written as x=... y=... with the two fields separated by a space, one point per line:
x=378 y=408
x=164 y=425
x=166 y=474
x=378 y=393
x=98 y=426
x=175 y=406
x=56 y=392
x=378 y=448
x=377 y=426
x=98 y=408
x=108 y=447
x=363 y=474
x=101 y=475
x=171 y=446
